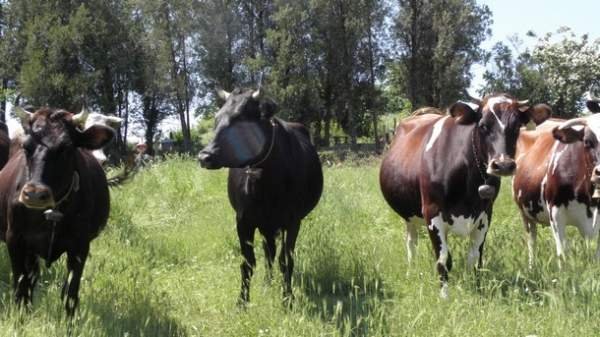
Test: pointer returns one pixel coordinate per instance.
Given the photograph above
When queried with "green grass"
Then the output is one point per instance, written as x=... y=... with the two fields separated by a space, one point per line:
x=168 y=265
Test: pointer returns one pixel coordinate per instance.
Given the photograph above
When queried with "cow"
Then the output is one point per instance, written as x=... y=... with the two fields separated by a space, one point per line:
x=444 y=171
x=553 y=183
x=275 y=178
x=54 y=199
x=94 y=118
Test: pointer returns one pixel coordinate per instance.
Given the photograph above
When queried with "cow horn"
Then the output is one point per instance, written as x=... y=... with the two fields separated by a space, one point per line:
x=81 y=117
x=573 y=122
x=22 y=114
x=524 y=102
x=257 y=94
x=473 y=99
x=223 y=94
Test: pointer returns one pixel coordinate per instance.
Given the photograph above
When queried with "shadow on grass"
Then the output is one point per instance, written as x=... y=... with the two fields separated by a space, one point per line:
x=141 y=317
x=354 y=306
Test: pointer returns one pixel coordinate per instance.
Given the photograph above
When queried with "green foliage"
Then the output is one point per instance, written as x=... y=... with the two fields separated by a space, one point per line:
x=168 y=265
x=439 y=41
x=558 y=71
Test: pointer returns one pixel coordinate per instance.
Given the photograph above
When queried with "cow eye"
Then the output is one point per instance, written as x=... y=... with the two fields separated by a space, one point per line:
x=589 y=144
x=484 y=128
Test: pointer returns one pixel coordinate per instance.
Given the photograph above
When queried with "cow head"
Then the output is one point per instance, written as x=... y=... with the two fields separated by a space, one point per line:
x=50 y=144
x=243 y=130
x=498 y=119
x=586 y=130
x=94 y=118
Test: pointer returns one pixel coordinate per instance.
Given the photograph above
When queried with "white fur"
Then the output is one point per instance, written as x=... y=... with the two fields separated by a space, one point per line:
x=496 y=100
x=95 y=118
x=463 y=226
x=435 y=134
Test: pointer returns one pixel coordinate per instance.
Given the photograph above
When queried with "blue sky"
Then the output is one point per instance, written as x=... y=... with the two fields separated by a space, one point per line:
x=518 y=17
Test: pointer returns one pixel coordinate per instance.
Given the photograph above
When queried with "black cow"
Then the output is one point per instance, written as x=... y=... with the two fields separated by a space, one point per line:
x=53 y=199
x=275 y=177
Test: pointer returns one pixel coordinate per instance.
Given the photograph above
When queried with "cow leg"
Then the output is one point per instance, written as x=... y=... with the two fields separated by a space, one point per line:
x=477 y=241
x=558 y=223
x=70 y=291
x=25 y=272
x=438 y=236
x=270 y=249
x=531 y=229
x=246 y=237
x=286 y=257
x=411 y=240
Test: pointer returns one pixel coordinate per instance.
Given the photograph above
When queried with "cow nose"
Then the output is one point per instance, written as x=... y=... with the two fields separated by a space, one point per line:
x=207 y=159
x=502 y=167
x=36 y=196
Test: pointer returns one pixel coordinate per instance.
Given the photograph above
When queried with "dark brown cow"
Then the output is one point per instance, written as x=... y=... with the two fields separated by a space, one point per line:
x=275 y=177
x=443 y=171
x=53 y=199
x=553 y=182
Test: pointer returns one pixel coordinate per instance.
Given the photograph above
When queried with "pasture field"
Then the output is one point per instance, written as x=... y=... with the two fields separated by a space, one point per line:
x=168 y=265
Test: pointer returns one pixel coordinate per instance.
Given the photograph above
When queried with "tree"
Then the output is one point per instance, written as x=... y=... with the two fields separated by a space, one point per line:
x=559 y=71
x=570 y=68
x=439 y=40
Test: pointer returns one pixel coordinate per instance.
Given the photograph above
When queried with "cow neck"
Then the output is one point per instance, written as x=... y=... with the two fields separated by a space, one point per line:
x=54 y=216
x=475 y=144
x=253 y=167
x=74 y=187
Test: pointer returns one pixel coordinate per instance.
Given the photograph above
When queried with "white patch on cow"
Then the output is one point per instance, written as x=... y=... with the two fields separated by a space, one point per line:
x=594 y=124
x=435 y=134
x=574 y=214
x=95 y=118
x=556 y=157
x=474 y=227
x=520 y=194
x=491 y=103
x=471 y=105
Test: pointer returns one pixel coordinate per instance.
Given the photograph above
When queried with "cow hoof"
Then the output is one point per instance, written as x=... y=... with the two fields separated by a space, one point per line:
x=444 y=291
x=486 y=191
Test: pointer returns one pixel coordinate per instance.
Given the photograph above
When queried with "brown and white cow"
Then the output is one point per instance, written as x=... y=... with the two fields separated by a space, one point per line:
x=443 y=171
x=53 y=199
x=553 y=184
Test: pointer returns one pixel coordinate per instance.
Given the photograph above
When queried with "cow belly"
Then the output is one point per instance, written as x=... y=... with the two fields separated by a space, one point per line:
x=536 y=211
x=576 y=214
x=464 y=226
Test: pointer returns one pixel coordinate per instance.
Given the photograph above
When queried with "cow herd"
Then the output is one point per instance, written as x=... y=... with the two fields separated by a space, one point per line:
x=442 y=171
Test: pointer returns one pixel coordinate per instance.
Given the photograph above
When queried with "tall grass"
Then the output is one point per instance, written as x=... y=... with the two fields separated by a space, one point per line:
x=168 y=265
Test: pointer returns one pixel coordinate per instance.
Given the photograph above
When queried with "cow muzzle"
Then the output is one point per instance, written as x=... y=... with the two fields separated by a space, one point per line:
x=37 y=196
x=502 y=166
x=207 y=160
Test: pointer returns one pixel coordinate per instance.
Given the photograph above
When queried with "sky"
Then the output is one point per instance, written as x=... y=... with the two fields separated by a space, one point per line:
x=520 y=16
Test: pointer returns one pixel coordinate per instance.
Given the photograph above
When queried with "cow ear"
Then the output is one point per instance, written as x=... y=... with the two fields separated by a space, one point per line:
x=536 y=114
x=464 y=114
x=568 y=135
x=593 y=105
x=95 y=137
